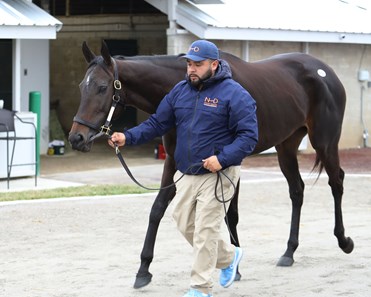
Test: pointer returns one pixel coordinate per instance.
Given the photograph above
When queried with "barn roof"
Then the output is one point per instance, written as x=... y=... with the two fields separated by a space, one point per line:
x=333 y=21
x=23 y=19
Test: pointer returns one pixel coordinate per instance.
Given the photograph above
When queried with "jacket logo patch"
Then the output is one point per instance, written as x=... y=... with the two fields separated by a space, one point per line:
x=211 y=102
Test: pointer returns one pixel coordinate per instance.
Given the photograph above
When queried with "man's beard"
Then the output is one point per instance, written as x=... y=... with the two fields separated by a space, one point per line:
x=197 y=83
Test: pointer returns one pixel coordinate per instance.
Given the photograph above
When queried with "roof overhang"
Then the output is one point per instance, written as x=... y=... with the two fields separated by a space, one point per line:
x=329 y=21
x=260 y=34
x=21 y=19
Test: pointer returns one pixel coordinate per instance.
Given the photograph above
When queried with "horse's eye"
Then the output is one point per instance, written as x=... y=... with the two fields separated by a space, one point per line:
x=102 y=89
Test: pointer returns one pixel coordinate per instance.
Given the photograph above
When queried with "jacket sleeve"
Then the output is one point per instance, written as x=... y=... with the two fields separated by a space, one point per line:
x=243 y=123
x=156 y=125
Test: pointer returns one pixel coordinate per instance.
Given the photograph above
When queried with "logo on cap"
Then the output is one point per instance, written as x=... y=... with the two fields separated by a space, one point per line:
x=201 y=50
x=195 y=49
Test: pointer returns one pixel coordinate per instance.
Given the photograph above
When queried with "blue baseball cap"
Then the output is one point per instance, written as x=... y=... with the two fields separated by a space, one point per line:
x=201 y=50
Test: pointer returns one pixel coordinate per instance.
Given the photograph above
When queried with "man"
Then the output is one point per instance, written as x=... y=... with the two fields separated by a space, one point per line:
x=215 y=120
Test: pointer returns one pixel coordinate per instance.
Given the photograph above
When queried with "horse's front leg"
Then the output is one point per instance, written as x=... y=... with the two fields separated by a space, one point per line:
x=158 y=209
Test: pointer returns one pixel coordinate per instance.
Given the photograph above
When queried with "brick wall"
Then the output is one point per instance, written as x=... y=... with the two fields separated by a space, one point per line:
x=67 y=62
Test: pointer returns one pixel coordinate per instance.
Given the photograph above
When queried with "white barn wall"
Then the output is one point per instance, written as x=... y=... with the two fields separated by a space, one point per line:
x=35 y=77
x=346 y=60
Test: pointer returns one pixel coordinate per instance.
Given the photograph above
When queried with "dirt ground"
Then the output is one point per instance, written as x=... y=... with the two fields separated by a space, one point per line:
x=90 y=247
x=351 y=160
x=102 y=156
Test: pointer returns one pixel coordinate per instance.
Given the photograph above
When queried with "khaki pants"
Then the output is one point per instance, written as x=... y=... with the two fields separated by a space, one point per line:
x=199 y=216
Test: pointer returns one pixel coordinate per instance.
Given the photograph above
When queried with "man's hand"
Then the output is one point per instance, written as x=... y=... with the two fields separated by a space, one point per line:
x=212 y=164
x=117 y=138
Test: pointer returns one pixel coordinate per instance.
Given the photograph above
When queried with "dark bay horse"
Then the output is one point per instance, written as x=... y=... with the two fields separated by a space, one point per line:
x=296 y=95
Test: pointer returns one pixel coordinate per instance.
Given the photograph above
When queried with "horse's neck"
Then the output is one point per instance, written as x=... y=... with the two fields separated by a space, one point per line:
x=148 y=81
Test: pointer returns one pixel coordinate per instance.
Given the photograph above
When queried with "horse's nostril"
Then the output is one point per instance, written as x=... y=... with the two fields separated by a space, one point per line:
x=79 y=137
x=75 y=138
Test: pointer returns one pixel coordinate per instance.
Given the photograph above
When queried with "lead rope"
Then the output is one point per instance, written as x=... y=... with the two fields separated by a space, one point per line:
x=123 y=163
x=198 y=166
x=222 y=200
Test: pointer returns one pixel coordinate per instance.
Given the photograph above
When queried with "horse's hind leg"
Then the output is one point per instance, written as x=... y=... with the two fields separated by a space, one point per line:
x=330 y=160
x=324 y=132
x=287 y=157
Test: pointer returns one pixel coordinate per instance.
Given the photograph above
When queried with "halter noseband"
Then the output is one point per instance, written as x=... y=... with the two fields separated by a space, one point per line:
x=106 y=128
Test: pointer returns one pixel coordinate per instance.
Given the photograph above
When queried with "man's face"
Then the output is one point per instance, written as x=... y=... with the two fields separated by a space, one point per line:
x=200 y=71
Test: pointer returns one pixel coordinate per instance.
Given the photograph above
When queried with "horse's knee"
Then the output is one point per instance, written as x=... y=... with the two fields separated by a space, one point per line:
x=160 y=205
x=297 y=198
x=156 y=214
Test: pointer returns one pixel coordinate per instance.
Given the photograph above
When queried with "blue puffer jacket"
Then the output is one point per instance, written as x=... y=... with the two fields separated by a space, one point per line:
x=220 y=119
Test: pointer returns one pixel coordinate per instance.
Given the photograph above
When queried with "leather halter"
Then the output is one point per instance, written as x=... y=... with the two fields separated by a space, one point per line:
x=106 y=128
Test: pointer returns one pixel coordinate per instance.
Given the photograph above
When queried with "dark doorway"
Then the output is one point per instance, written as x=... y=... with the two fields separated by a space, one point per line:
x=124 y=48
x=6 y=72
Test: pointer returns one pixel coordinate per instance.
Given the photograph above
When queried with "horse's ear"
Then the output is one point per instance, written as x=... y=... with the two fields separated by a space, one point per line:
x=105 y=53
x=88 y=54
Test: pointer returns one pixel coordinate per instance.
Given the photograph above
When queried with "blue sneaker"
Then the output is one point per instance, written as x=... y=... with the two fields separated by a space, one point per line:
x=195 y=293
x=228 y=274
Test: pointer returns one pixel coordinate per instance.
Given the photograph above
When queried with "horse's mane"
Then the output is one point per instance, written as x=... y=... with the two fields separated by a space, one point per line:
x=163 y=60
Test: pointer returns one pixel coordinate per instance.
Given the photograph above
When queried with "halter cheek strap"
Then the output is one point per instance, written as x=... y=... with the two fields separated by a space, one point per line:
x=106 y=128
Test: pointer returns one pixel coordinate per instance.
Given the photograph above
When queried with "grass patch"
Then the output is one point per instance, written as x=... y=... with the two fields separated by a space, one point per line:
x=101 y=190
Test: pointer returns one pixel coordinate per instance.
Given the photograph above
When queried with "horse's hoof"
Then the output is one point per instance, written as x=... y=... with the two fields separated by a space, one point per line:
x=349 y=247
x=237 y=277
x=285 y=261
x=142 y=280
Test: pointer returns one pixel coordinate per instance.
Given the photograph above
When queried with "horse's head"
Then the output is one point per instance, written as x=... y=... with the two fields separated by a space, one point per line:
x=97 y=93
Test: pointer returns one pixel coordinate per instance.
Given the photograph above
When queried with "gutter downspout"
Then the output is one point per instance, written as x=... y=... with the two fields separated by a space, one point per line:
x=365 y=134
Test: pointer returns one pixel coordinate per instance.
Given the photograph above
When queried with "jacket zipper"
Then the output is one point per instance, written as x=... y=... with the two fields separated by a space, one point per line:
x=189 y=140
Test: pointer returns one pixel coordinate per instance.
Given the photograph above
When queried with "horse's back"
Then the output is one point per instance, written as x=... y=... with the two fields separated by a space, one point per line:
x=301 y=67
x=292 y=91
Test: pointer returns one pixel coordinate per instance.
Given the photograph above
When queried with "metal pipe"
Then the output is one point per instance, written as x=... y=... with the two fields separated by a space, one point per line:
x=365 y=131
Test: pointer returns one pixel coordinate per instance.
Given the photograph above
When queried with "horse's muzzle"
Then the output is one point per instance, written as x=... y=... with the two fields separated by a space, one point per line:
x=79 y=143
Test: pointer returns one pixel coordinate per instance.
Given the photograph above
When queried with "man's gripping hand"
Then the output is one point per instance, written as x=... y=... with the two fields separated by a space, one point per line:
x=117 y=138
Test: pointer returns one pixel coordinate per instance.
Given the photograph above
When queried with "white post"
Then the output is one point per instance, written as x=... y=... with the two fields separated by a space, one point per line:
x=16 y=75
x=245 y=50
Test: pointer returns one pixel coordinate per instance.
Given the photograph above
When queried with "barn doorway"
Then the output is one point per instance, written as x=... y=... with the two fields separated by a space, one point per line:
x=6 y=77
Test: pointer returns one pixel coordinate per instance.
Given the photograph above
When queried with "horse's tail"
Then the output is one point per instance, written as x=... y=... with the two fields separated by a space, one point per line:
x=318 y=166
